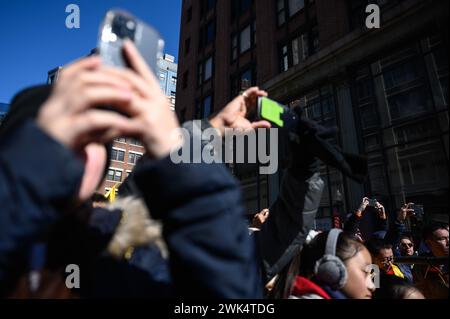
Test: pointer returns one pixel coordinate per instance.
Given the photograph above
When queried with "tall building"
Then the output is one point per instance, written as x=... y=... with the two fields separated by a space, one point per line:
x=168 y=78
x=125 y=154
x=385 y=89
x=3 y=110
x=127 y=151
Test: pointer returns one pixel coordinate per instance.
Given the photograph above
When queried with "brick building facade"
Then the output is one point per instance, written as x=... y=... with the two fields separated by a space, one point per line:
x=385 y=89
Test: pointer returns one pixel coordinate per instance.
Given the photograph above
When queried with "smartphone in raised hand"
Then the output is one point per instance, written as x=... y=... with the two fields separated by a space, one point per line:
x=278 y=115
x=372 y=203
x=119 y=25
x=418 y=211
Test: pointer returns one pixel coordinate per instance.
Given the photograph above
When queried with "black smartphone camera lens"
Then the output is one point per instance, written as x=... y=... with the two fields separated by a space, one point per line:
x=123 y=27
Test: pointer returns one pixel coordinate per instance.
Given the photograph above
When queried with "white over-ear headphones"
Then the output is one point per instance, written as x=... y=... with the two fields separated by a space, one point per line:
x=330 y=269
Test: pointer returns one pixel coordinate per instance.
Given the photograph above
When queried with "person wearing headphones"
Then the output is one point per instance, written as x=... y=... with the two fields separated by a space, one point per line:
x=333 y=266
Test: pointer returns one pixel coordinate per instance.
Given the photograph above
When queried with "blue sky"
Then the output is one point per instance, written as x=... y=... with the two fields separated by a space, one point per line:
x=34 y=38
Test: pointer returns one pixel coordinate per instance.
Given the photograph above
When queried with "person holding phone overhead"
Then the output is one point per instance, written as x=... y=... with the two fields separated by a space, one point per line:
x=62 y=131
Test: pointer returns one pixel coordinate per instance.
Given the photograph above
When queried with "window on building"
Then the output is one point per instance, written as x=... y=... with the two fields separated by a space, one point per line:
x=364 y=88
x=243 y=41
x=205 y=71
x=365 y=99
x=207 y=6
x=208 y=69
x=185 y=79
x=204 y=107
x=133 y=158
x=295 y=6
x=173 y=98
x=187 y=46
x=314 y=43
x=200 y=74
x=281 y=12
x=288 y=8
x=440 y=58
x=409 y=103
x=377 y=178
x=117 y=155
x=114 y=175
x=207 y=107
x=246 y=79
x=173 y=80
x=121 y=140
x=298 y=49
x=239 y=7
x=136 y=142
x=207 y=34
x=189 y=14
x=319 y=106
x=328 y=109
x=284 y=58
x=423 y=167
x=372 y=142
x=401 y=74
x=242 y=81
x=369 y=116
x=418 y=131
x=210 y=32
x=313 y=109
x=234 y=47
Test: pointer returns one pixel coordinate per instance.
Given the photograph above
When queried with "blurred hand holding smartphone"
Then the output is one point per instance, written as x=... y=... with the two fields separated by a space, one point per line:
x=119 y=25
x=278 y=115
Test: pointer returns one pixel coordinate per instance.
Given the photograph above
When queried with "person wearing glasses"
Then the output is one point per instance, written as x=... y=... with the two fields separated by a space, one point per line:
x=383 y=256
x=402 y=241
x=406 y=246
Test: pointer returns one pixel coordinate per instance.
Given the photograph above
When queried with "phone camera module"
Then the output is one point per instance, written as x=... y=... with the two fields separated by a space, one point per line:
x=124 y=27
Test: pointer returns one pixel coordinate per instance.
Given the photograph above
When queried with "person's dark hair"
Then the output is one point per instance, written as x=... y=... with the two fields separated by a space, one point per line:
x=26 y=105
x=406 y=236
x=304 y=262
x=346 y=248
x=374 y=245
x=393 y=287
x=428 y=230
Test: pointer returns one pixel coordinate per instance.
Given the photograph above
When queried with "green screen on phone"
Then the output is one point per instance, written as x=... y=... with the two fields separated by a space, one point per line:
x=272 y=111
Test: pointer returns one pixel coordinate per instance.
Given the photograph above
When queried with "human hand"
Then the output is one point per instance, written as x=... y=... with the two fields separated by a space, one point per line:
x=69 y=114
x=234 y=115
x=381 y=211
x=404 y=212
x=260 y=218
x=362 y=207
